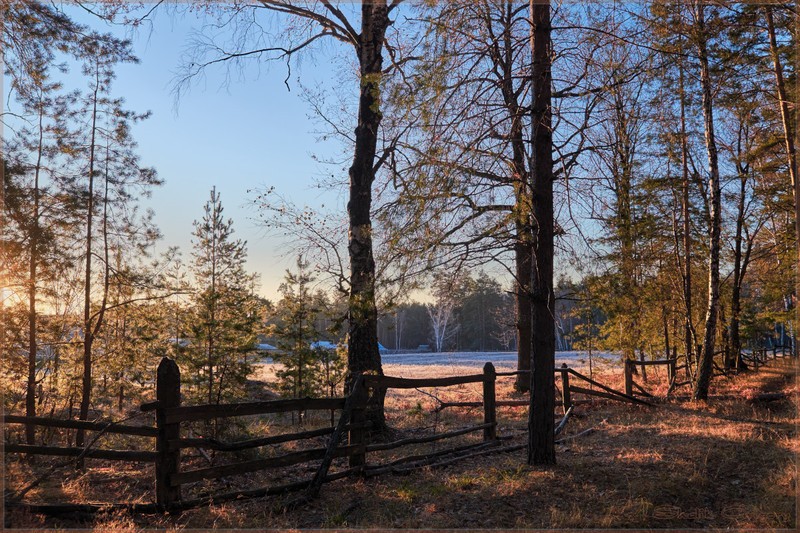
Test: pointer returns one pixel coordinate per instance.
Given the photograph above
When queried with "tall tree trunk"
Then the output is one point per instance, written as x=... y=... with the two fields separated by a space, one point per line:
x=791 y=155
x=666 y=331
x=705 y=365
x=33 y=264
x=362 y=348
x=212 y=325
x=523 y=246
x=541 y=426
x=523 y=252
x=88 y=334
x=736 y=291
x=687 y=231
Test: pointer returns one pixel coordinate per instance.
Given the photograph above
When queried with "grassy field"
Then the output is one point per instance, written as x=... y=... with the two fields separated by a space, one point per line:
x=730 y=463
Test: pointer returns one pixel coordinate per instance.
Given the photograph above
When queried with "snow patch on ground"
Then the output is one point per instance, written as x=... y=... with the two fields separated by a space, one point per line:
x=504 y=360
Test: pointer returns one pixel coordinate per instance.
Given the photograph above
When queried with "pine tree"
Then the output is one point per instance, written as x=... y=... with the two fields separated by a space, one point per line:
x=308 y=369
x=226 y=313
x=38 y=220
x=295 y=333
x=102 y=146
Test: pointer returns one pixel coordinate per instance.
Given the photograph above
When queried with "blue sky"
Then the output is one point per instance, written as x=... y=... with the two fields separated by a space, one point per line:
x=246 y=134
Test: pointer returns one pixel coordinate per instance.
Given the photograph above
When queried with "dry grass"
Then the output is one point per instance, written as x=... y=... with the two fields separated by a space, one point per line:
x=729 y=463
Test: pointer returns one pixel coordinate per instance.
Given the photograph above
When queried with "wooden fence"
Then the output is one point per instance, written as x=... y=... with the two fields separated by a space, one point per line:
x=758 y=358
x=170 y=477
x=568 y=389
x=755 y=359
x=104 y=427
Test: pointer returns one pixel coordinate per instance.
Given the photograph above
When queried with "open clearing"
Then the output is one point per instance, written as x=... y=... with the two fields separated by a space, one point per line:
x=730 y=463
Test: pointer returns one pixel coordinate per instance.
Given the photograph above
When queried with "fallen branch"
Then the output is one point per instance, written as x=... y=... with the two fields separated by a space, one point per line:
x=446 y=462
x=575 y=436
x=375 y=470
x=561 y=425
x=768 y=397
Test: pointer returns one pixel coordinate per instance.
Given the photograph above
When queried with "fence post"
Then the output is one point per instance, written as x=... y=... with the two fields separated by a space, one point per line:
x=168 y=394
x=565 y=396
x=356 y=434
x=671 y=370
x=628 y=378
x=489 y=402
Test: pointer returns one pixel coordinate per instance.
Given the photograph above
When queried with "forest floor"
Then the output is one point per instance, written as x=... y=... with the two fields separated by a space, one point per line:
x=730 y=462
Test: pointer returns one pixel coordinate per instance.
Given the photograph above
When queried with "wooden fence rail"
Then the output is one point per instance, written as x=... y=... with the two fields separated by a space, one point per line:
x=629 y=364
x=114 y=455
x=179 y=478
x=208 y=412
x=107 y=427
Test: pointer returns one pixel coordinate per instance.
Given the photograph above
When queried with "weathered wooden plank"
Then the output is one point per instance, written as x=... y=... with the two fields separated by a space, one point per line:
x=88 y=508
x=261 y=491
x=566 y=401
x=498 y=403
x=610 y=396
x=352 y=401
x=513 y=373
x=652 y=363
x=493 y=447
x=504 y=403
x=428 y=438
x=214 y=444
x=83 y=508
x=433 y=463
x=143 y=431
x=524 y=372
x=149 y=406
x=628 y=370
x=168 y=395
x=561 y=425
x=599 y=394
x=205 y=412
x=607 y=389
x=114 y=455
x=260 y=464
x=375 y=470
x=489 y=400
x=415 y=383
x=641 y=390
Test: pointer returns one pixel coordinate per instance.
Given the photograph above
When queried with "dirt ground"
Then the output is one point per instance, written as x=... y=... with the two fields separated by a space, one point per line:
x=727 y=463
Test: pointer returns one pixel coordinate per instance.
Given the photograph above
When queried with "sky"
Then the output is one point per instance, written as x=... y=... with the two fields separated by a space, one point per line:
x=247 y=134
x=236 y=131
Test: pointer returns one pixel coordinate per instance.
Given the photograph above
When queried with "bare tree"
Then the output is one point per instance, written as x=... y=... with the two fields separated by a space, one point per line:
x=441 y=314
